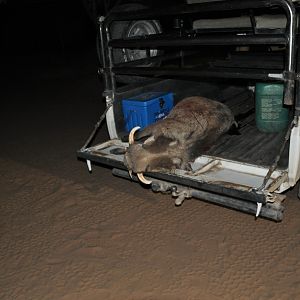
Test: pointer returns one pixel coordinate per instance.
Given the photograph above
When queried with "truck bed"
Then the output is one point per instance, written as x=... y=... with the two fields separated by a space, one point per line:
x=234 y=171
x=250 y=146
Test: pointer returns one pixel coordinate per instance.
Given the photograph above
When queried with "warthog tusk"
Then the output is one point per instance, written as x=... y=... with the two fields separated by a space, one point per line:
x=131 y=141
x=131 y=134
x=143 y=179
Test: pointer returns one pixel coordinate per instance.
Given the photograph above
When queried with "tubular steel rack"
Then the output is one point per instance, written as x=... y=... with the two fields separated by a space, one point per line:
x=288 y=39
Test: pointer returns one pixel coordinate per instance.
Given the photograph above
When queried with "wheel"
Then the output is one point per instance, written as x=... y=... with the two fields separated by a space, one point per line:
x=127 y=29
x=134 y=29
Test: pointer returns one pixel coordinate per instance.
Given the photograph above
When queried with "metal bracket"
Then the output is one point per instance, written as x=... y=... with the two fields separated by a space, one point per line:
x=101 y=19
x=258 y=210
x=89 y=165
x=277 y=158
x=107 y=94
x=181 y=195
x=276 y=76
x=289 y=87
x=206 y=168
x=288 y=75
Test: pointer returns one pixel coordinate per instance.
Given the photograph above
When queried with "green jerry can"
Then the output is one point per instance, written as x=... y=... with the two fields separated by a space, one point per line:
x=270 y=114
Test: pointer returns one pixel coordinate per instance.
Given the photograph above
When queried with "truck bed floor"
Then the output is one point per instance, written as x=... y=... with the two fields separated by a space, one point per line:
x=251 y=146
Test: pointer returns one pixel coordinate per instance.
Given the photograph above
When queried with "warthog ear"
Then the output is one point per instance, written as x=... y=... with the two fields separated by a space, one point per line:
x=157 y=144
x=150 y=140
x=141 y=139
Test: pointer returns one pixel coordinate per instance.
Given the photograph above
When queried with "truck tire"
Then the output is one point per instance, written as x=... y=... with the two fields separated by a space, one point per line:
x=124 y=29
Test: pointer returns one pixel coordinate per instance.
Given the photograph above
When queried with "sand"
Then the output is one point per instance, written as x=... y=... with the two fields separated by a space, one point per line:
x=67 y=234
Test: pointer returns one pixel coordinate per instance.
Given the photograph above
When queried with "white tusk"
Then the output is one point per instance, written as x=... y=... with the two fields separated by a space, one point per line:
x=131 y=134
x=130 y=173
x=143 y=179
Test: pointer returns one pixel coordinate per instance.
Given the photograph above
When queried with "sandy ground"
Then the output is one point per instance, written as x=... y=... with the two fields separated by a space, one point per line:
x=66 y=234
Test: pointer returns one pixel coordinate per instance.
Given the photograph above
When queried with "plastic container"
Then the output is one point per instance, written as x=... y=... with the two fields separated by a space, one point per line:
x=270 y=114
x=146 y=109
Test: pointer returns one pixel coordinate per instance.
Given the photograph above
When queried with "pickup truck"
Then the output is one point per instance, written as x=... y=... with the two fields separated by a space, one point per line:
x=221 y=50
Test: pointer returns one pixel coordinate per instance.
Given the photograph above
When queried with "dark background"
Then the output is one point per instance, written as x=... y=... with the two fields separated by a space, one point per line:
x=50 y=91
x=34 y=27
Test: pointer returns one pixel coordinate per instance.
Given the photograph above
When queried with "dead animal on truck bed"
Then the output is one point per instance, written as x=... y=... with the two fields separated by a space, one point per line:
x=190 y=129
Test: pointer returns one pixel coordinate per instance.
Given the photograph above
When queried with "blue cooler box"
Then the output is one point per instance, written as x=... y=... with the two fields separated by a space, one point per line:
x=146 y=109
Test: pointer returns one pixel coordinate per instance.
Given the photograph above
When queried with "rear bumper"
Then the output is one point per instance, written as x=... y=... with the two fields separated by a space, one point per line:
x=226 y=194
x=272 y=211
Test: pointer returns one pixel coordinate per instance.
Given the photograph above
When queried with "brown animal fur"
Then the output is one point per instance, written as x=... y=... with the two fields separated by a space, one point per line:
x=190 y=129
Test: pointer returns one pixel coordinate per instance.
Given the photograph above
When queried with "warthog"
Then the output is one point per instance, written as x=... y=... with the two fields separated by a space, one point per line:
x=190 y=129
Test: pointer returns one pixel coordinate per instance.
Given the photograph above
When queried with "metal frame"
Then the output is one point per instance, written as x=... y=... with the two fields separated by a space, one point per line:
x=109 y=70
x=287 y=76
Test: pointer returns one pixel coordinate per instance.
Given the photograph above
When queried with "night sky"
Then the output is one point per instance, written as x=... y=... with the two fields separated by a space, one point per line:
x=31 y=27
